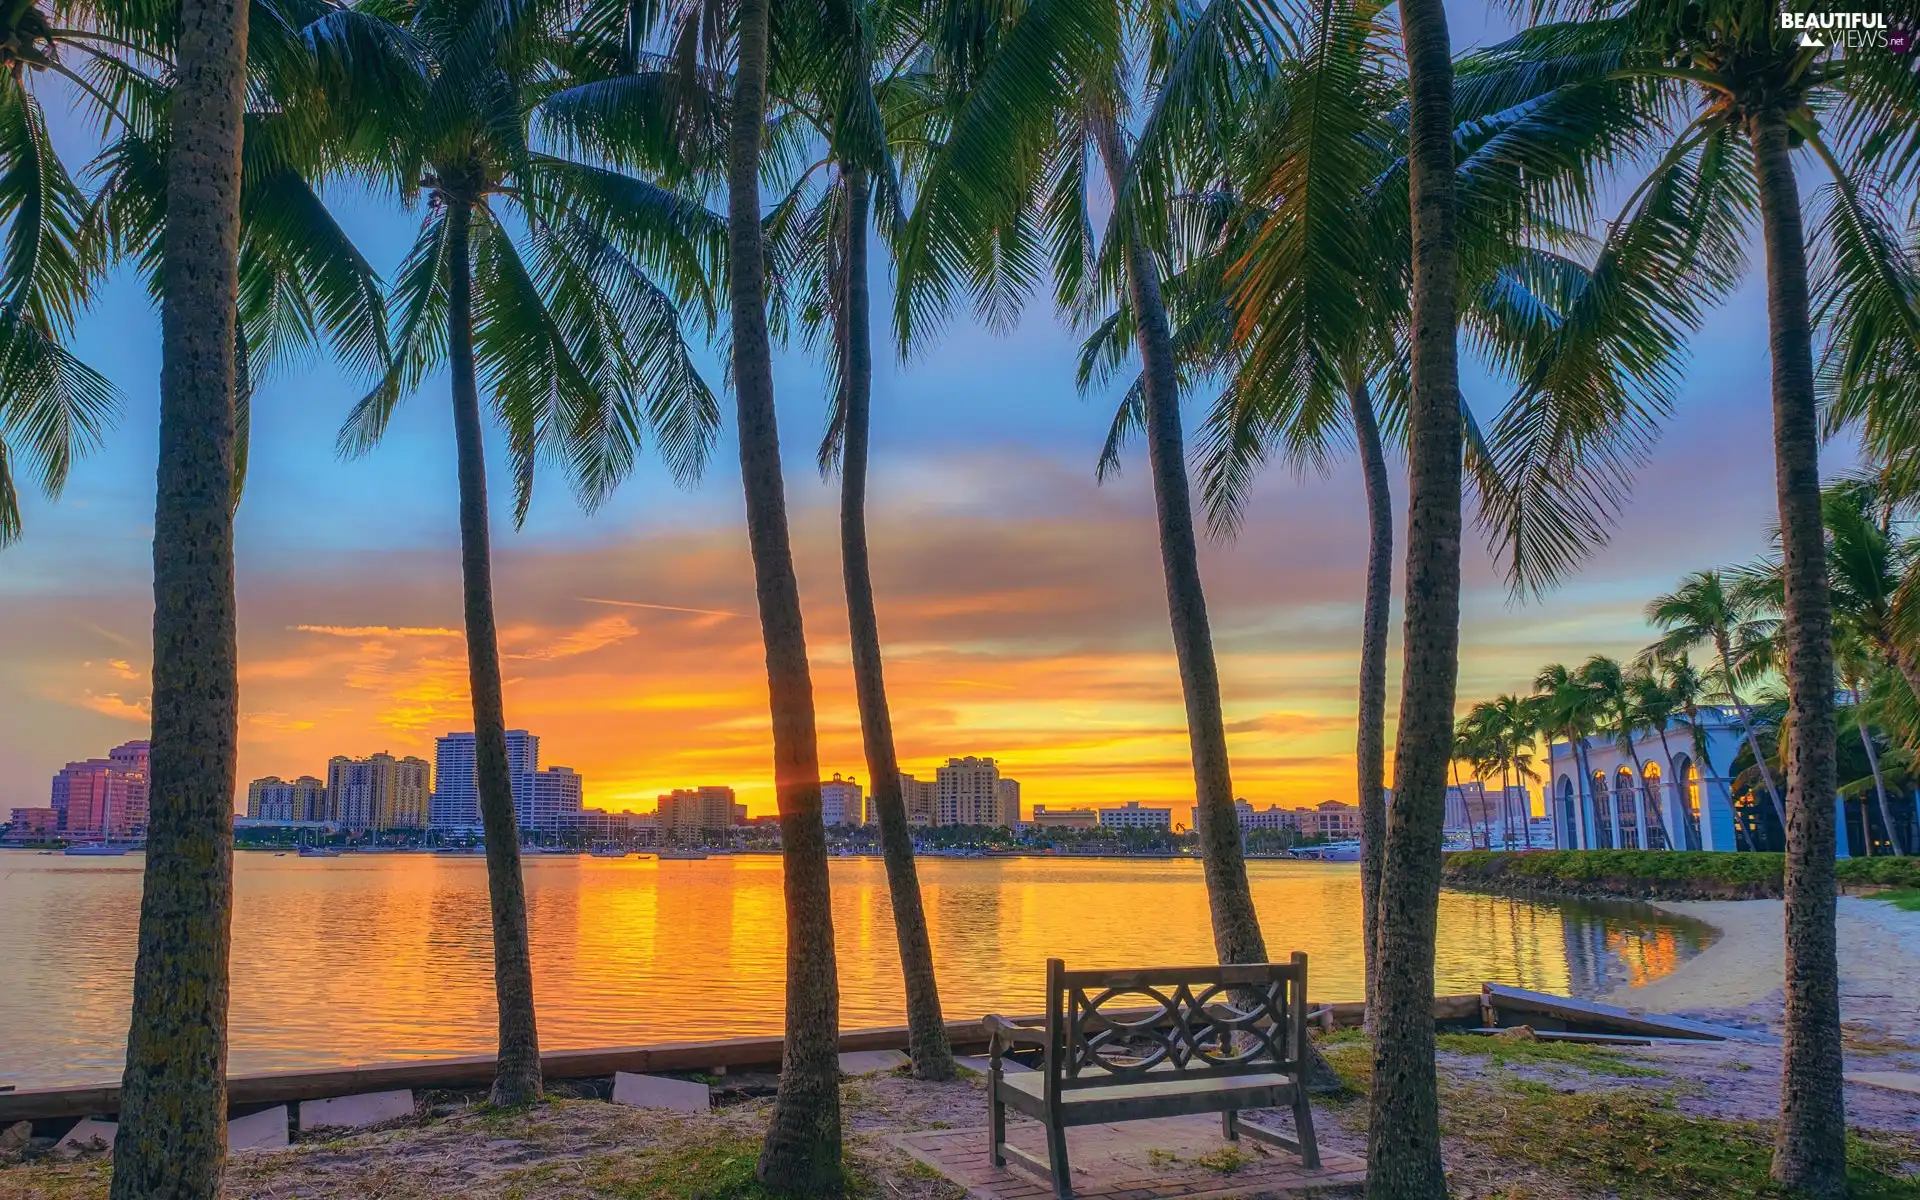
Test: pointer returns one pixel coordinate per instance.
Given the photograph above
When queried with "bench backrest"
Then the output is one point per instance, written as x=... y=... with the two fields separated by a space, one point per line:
x=1113 y=1027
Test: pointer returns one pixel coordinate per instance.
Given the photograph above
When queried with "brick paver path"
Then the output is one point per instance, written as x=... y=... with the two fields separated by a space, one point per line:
x=1137 y=1160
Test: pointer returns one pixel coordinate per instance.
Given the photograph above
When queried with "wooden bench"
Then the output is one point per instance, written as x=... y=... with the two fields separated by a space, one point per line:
x=1192 y=1040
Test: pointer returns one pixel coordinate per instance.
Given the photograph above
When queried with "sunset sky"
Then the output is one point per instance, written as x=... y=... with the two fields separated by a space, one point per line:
x=1021 y=605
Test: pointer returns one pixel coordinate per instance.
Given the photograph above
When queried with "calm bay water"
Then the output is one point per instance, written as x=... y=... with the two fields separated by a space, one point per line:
x=371 y=957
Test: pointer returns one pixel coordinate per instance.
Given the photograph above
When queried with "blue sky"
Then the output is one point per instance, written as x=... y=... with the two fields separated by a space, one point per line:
x=1021 y=603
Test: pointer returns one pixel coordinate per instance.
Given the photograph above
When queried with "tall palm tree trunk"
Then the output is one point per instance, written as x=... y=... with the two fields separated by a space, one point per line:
x=801 y=1154
x=926 y=1027
x=1671 y=784
x=1810 y=1149
x=516 y=1073
x=1236 y=926
x=172 y=1138
x=1370 y=751
x=1403 y=1140
x=1879 y=785
x=1746 y=728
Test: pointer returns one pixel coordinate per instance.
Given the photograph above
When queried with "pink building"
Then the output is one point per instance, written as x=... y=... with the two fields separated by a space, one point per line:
x=103 y=797
x=33 y=825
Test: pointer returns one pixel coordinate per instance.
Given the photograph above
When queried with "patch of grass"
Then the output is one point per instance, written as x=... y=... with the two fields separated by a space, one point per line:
x=1225 y=1161
x=1636 y=1145
x=717 y=1167
x=52 y=1180
x=1906 y=899
x=1162 y=1158
x=1507 y=1051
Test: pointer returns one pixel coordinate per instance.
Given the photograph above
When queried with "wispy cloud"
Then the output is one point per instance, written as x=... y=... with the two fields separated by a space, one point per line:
x=371 y=631
x=705 y=612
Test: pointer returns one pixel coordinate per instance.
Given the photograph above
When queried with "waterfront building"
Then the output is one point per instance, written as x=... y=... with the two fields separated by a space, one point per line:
x=379 y=792
x=91 y=798
x=455 y=803
x=691 y=814
x=1270 y=817
x=1132 y=815
x=599 y=825
x=840 y=802
x=133 y=759
x=33 y=825
x=922 y=800
x=1330 y=819
x=555 y=796
x=1064 y=818
x=1009 y=793
x=969 y=792
x=275 y=799
x=1659 y=792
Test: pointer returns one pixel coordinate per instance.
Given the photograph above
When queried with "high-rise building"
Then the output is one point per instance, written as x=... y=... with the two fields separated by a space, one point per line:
x=555 y=797
x=133 y=759
x=969 y=790
x=1009 y=796
x=1132 y=815
x=840 y=802
x=378 y=792
x=94 y=796
x=922 y=799
x=456 y=795
x=275 y=799
x=1064 y=818
x=693 y=813
x=103 y=797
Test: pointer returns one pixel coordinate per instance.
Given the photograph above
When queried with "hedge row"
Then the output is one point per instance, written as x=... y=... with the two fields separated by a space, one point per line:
x=1655 y=874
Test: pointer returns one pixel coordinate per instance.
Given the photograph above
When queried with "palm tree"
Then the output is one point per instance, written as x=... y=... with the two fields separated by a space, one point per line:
x=1717 y=95
x=580 y=348
x=1706 y=609
x=1654 y=705
x=1515 y=718
x=1613 y=687
x=820 y=239
x=801 y=1154
x=53 y=407
x=1015 y=163
x=173 y=1097
x=229 y=255
x=1568 y=707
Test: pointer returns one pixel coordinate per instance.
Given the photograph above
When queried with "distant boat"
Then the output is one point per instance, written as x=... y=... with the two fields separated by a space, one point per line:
x=96 y=850
x=319 y=852
x=461 y=850
x=608 y=852
x=687 y=855
x=1332 y=852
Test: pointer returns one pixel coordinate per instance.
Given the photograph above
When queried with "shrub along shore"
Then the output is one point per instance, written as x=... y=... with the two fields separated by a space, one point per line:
x=1655 y=874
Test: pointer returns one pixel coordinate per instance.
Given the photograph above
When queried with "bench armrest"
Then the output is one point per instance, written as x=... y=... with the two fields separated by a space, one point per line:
x=1004 y=1035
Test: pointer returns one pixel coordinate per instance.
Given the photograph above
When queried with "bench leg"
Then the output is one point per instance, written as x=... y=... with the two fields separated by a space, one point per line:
x=996 y=1119
x=1229 y=1126
x=1057 y=1160
x=1303 y=1128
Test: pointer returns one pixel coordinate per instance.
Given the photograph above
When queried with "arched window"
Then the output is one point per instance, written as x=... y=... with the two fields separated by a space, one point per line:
x=1623 y=793
x=1688 y=773
x=1569 y=814
x=1657 y=836
x=1602 y=813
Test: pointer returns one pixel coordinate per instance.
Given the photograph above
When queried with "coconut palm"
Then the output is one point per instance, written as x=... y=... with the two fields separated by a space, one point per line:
x=1038 y=97
x=1707 y=610
x=53 y=407
x=1717 y=96
x=536 y=272
x=819 y=234
x=230 y=252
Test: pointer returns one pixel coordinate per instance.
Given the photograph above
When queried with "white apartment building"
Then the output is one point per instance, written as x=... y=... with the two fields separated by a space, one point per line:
x=456 y=795
x=840 y=802
x=1133 y=815
x=557 y=794
x=691 y=813
x=378 y=792
x=1009 y=792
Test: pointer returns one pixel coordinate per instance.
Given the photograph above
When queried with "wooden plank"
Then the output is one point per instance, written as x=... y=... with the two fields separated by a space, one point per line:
x=476 y=1071
x=1575 y=1015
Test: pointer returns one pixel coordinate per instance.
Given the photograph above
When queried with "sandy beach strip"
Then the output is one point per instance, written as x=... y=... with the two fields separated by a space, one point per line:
x=1739 y=976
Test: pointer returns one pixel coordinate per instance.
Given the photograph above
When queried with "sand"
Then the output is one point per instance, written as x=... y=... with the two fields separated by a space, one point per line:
x=1737 y=978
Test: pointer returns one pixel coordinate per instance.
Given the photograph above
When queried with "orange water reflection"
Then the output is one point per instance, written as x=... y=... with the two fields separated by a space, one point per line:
x=372 y=957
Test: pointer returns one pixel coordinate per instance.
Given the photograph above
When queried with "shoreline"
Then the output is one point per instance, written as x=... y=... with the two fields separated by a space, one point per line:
x=1738 y=978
